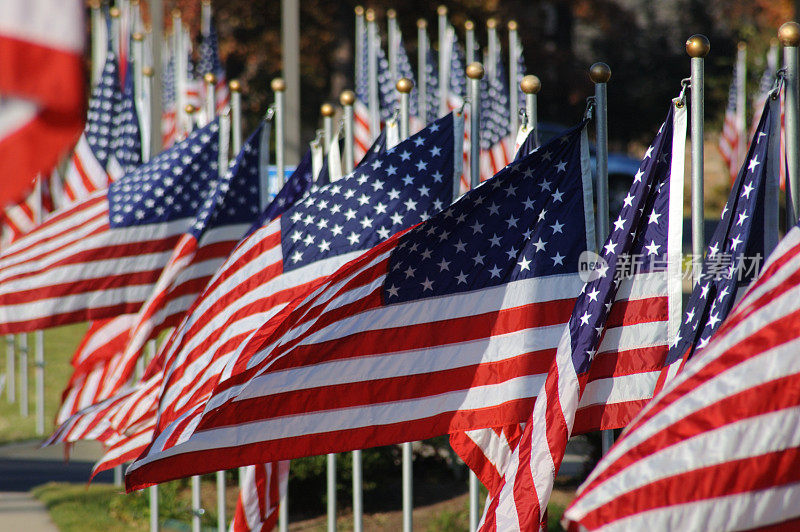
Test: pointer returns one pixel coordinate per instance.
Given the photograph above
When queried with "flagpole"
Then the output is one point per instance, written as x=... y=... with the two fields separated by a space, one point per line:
x=469 y=42
x=23 y=374
x=697 y=47
x=513 y=82
x=222 y=169
x=475 y=73
x=236 y=118
x=39 y=335
x=531 y=86
x=789 y=37
x=422 y=70
x=444 y=68
x=772 y=178
x=278 y=87
x=98 y=46
x=741 y=102
x=392 y=44
x=491 y=48
x=156 y=103
x=404 y=87
x=347 y=99
x=113 y=12
x=11 y=372
x=211 y=102
x=372 y=73
x=359 y=46
x=179 y=66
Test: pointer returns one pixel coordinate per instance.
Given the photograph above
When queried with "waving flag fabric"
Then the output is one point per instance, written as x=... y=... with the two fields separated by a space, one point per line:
x=110 y=144
x=732 y=129
x=717 y=449
x=102 y=257
x=362 y=136
x=210 y=62
x=227 y=213
x=262 y=489
x=445 y=327
x=497 y=143
x=611 y=325
x=737 y=247
x=22 y=217
x=42 y=87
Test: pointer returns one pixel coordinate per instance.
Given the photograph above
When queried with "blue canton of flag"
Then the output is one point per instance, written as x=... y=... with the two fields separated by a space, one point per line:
x=432 y=86
x=100 y=119
x=126 y=140
x=509 y=228
x=171 y=186
x=387 y=92
x=403 y=187
x=734 y=255
x=495 y=115
x=458 y=71
x=377 y=149
x=209 y=54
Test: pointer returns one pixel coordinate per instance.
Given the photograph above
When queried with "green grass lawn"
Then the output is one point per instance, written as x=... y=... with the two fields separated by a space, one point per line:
x=59 y=345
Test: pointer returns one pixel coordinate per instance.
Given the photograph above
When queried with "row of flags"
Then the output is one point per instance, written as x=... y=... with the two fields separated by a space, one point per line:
x=381 y=307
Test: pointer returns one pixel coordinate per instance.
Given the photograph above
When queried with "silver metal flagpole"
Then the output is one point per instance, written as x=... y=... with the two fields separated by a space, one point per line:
x=179 y=64
x=513 y=82
x=600 y=73
x=222 y=168
x=11 y=372
x=326 y=110
x=347 y=99
x=444 y=57
x=422 y=70
x=39 y=337
x=531 y=86
x=393 y=34
x=98 y=41
x=278 y=87
x=211 y=99
x=789 y=37
x=469 y=42
x=22 y=342
x=697 y=47
x=372 y=71
x=491 y=48
x=140 y=95
x=404 y=86
x=359 y=45
x=475 y=73
x=741 y=101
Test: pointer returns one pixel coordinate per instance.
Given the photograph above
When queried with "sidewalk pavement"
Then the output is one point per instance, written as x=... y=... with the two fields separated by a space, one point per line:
x=20 y=511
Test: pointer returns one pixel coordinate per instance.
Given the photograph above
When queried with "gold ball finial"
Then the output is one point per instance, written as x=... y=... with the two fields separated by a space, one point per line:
x=600 y=73
x=512 y=25
x=391 y=13
x=148 y=71
x=190 y=109
x=206 y=2
x=93 y=4
x=698 y=46
x=441 y=10
x=278 y=85
x=114 y=12
x=360 y=11
x=235 y=85
x=741 y=45
x=491 y=23
x=422 y=23
x=530 y=84
x=475 y=71
x=326 y=110
x=789 y=34
x=347 y=98
x=469 y=25
x=176 y=13
x=370 y=15
x=135 y=3
x=404 y=85
x=136 y=36
x=210 y=78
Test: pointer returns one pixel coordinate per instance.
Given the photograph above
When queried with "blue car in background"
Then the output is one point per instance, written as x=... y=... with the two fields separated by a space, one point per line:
x=621 y=169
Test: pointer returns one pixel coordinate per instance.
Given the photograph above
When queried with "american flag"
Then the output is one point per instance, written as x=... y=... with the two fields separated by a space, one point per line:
x=169 y=116
x=100 y=367
x=396 y=190
x=390 y=98
x=226 y=214
x=257 y=506
x=101 y=257
x=446 y=327
x=622 y=319
x=111 y=142
x=497 y=141
x=21 y=218
x=732 y=129
x=717 y=448
x=210 y=62
x=42 y=86
x=362 y=136
x=735 y=252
